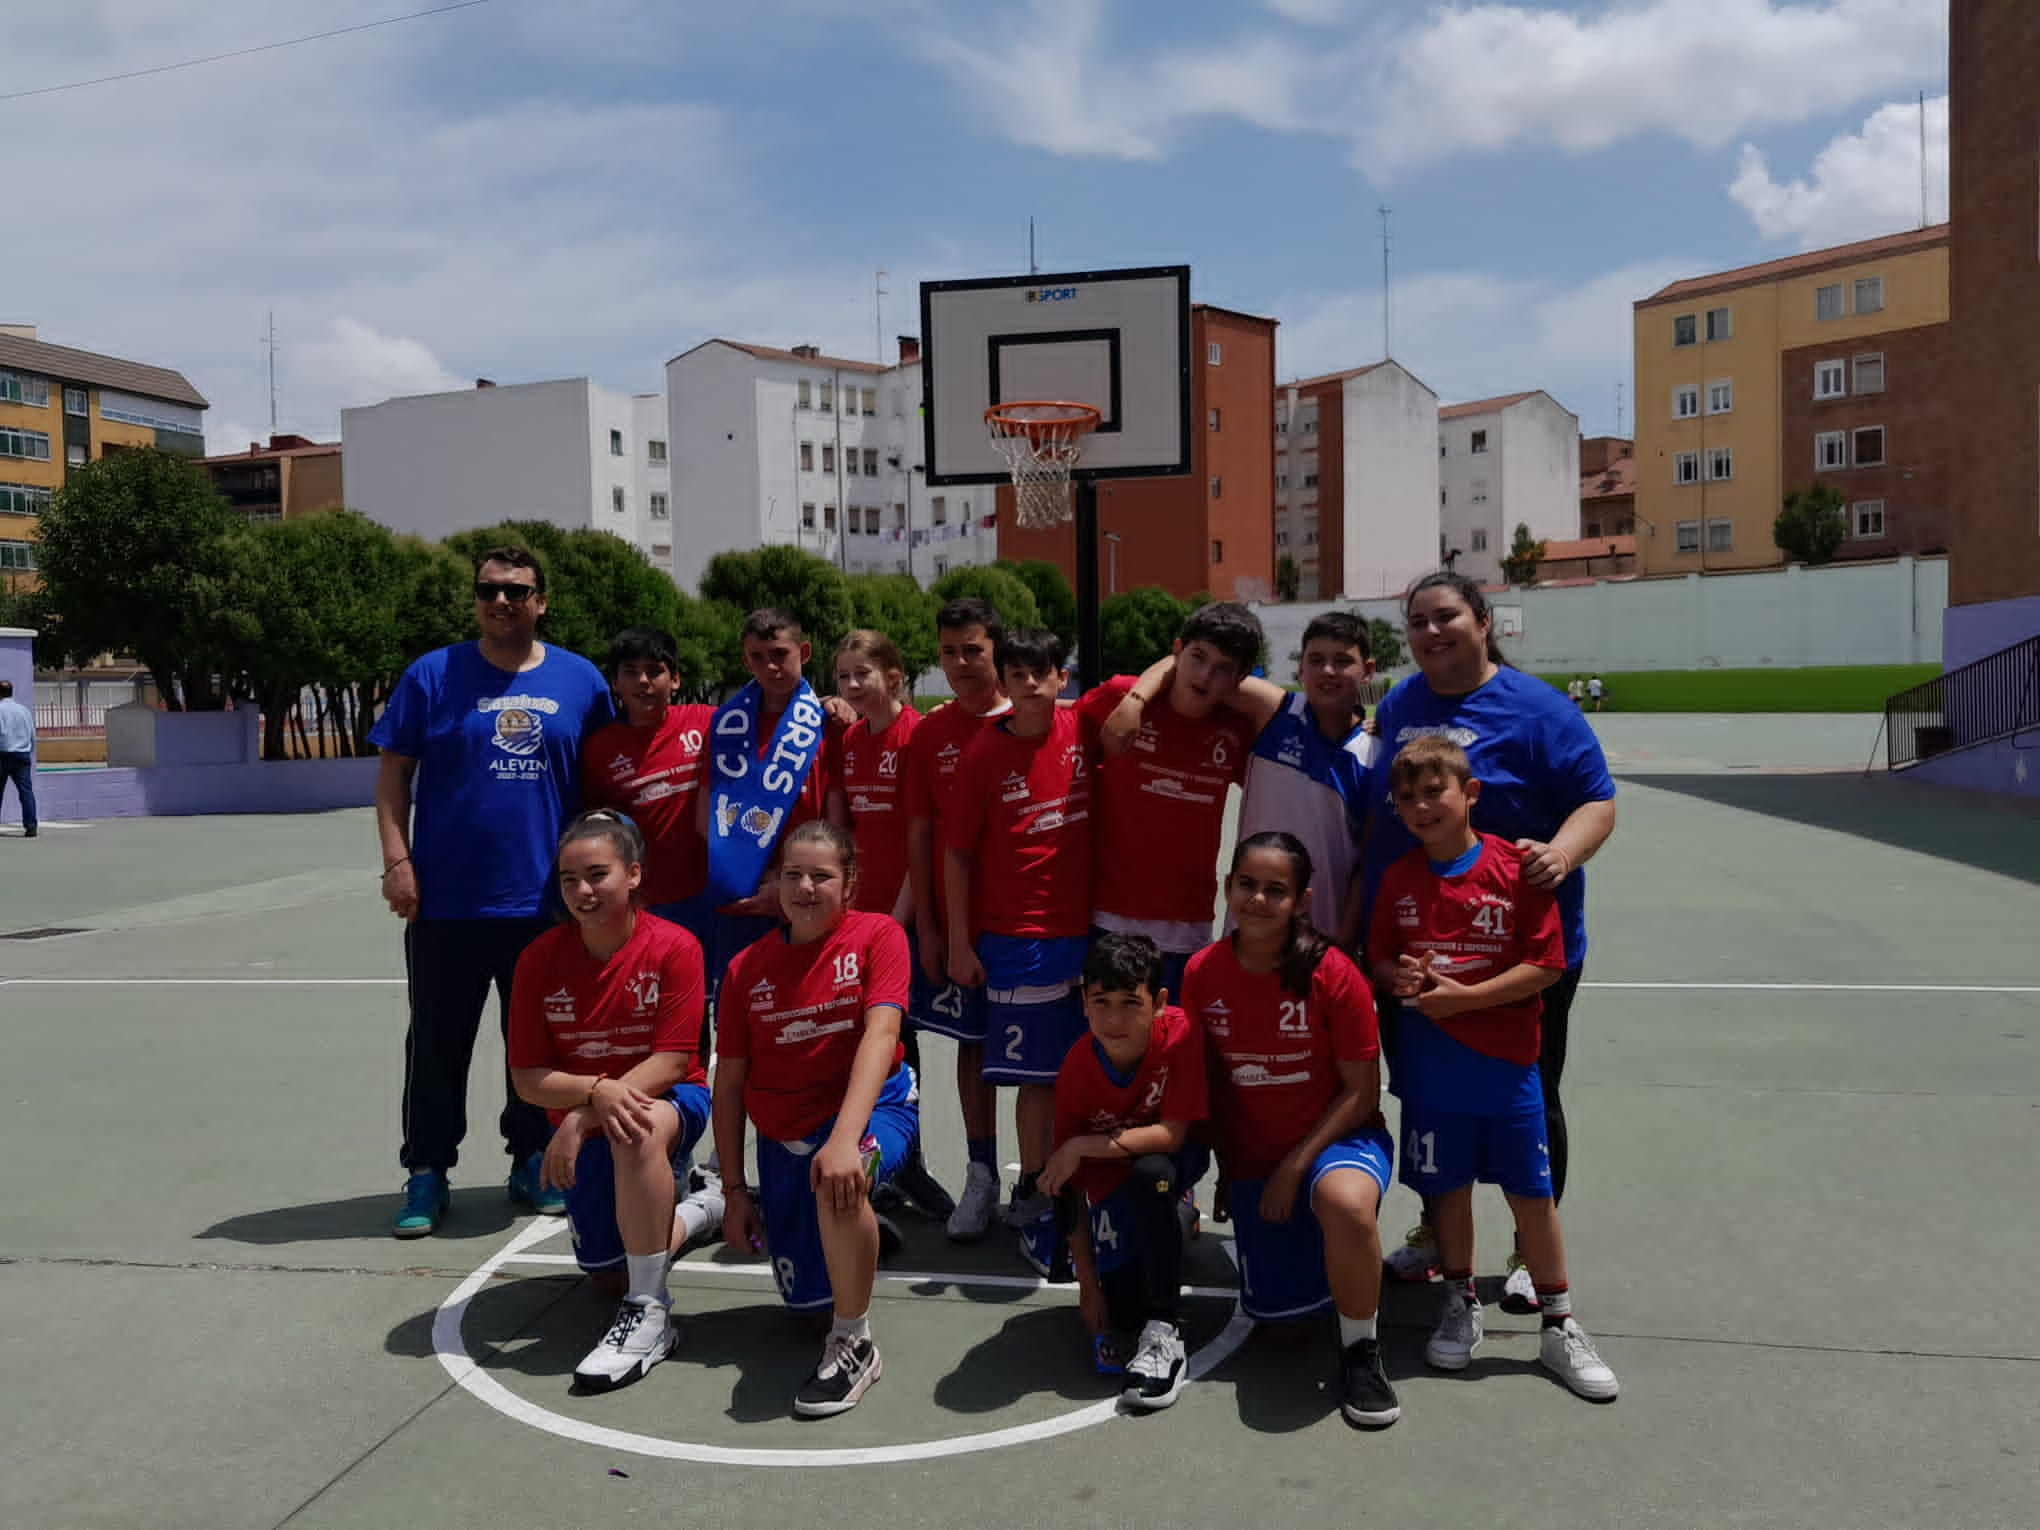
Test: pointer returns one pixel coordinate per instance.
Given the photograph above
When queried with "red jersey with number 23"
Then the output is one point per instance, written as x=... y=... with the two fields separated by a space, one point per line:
x=652 y=774
x=1274 y=1058
x=797 y=1012
x=1472 y=927
x=572 y=1012
x=875 y=781
x=1167 y=1085
x=1021 y=807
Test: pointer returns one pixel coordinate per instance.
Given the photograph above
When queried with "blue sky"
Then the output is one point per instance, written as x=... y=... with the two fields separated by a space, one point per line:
x=523 y=190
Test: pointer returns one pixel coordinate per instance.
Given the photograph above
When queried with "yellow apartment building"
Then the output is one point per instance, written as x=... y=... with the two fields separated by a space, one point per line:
x=1717 y=388
x=62 y=408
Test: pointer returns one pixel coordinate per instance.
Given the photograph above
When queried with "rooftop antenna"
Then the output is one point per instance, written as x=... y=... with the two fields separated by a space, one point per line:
x=1923 y=159
x=1033 y=269
x=1386 y=332
x=878 y=296
x=271 y=344
x=1618 y=409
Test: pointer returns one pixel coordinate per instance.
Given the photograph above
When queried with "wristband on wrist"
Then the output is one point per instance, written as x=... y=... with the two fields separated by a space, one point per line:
x=600 y=1079
x=393 y=865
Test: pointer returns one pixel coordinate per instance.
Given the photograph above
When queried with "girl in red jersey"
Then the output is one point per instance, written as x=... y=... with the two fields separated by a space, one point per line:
x=1295 y=1084
x=808 y=1050
x=605 y=1021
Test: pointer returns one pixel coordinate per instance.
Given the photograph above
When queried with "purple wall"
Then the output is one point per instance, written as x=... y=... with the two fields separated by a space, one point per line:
x=171 y=791
x=1969 y=633
x=2008 y=766
x=17 y=663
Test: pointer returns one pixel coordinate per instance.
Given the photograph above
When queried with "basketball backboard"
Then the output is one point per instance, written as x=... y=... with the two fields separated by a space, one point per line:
x=1117 y=340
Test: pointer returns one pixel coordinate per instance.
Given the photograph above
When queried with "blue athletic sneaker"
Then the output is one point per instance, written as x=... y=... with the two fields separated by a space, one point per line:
x=426 y=1199
x=527 y=1184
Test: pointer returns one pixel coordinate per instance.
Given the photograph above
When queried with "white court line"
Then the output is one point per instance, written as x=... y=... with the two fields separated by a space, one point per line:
x=461 y=1366
x=1830 y=987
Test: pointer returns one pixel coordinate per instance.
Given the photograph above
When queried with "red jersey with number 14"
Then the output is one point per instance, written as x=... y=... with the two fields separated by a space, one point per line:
x=1472 y=927
x=1274 y=1058
x=1167 y=1085
x=875 y=781
x=652 y=774
x=1022 y=808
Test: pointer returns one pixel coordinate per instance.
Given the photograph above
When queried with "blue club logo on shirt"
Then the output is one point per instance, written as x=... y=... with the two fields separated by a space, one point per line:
x=519 y=732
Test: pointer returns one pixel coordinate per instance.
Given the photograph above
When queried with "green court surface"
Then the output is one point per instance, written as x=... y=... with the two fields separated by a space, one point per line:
x=1805 y=1100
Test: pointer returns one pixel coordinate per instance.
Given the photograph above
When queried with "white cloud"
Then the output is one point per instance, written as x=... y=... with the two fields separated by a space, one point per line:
x=1862 y=184
x=1315 y=13
x=355 y=364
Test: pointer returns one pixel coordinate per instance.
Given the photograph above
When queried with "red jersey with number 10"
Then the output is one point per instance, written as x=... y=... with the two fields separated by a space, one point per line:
x=874 y=780
x=1022 y=808
x=652 y=774
x=1167 y=1085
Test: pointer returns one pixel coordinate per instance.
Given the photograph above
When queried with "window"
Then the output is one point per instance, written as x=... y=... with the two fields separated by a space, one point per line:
x=1870 y=446
x=1827 y=302
x=806 y=397
x=828 y=404
x=1282 y=422
x=1721 y=396
x=33 y=445
x=941 y=567
x=1686 y=536
x=1686 y=467
x=1717 y=324
x=1480 y=539
x=659 y=511
x=616 y=443
x=870 y=462
x=1310 y=537
x=74 y=454
x=1868 y=519
x=1217 y=551
x=18 y=557
x=1870 y=373
x=75 y=401
x=899 y=516
x=1685 y=330
x=1214 y=485
x=1281 y=480
x=938 y=510
x=1212 y=354
x=807 y=516
x=18 y=389
x=1869 y=294
x=1281 y=539
x=828 y=517
x=1593 y=529
x=869 y=398
x=1720 y=462
x=1211 y=420
x=1830 y=451
x=1720 y=536
x=857 y=519
x=1685 y=401
x=1828 y=380
x=1479 y=491
x=24 y=499
x=828 y=459
x=1310 y=480
x=1310 y=424
x=662 y=552
x=1478 y=442
x=655 y=451
x=1441 y=505
x=616 y=501
x=807 y=456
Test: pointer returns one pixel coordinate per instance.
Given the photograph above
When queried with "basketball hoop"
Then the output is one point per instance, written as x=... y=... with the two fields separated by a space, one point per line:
x=1041 y=441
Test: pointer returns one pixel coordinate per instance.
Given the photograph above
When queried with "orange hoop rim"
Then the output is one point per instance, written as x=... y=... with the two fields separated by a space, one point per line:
x=1029 y=418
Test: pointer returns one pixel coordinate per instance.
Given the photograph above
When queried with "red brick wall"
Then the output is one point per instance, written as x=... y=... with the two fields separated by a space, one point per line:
x=1331 y=491
x=1917 y=481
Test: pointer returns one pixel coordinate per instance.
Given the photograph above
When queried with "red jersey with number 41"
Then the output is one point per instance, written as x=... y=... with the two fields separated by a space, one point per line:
x=875 y=781
x=1167 y=1085
x=1021 y=807
x=1273 y=1057
x=652 y=774
x=1472 y=927
x=580 y=1015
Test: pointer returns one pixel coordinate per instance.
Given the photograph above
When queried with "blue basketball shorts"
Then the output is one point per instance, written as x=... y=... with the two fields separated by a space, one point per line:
x=1444 y=1151
x=945 y=1008
x=1115 y=1232
x=1282 y=1264
x=591 y=1201
x=1034 y=1012
x=786 y=1201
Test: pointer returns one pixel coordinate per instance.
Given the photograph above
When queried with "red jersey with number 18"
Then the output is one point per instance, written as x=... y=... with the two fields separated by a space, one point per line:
x=1273 y=1056
x=797 y=1012
x=874 y=779
x=1472 y=927
x=1167 y=1085
x=1022 y=808
x=652 y=774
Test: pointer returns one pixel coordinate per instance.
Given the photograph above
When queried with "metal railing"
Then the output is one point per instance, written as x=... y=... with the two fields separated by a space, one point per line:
x=1992 y=698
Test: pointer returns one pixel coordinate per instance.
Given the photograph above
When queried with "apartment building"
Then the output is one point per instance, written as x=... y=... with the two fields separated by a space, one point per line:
x=288 y=477
x=1356 y=481
x=1212 y=530
x=1828 y=366
x=1607 y=487
x=816 y=451
x=62 y=408
x=567 y=451
x=1502 y=463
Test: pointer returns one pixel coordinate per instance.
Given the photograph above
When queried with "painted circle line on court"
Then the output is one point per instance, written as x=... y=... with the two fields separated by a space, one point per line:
x=451 y=1349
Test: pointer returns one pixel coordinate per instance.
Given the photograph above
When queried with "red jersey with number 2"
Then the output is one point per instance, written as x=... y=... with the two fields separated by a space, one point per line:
x=1167 y=1085
x=875 y=782
x=1022 y=808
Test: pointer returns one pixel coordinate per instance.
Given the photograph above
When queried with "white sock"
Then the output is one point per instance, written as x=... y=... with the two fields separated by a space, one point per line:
x=852 y=1330
x=1353 y=1330
x=691 y=1217
x=647 y=1278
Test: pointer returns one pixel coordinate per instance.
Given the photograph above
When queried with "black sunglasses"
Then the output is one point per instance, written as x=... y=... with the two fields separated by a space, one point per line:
x=486 y=591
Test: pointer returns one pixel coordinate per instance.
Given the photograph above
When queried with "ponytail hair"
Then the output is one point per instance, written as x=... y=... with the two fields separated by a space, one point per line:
x=621 y=834
x=1307 y=944
x=882 y=651
x=1469 y=591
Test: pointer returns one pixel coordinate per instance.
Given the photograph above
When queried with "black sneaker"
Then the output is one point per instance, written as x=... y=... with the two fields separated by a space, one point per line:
x=1367 y=1400
x=846 y=1373
x=923 y=1190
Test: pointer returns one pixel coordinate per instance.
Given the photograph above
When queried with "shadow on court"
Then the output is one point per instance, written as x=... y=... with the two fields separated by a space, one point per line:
x=1987 y=834
x=482 y=1212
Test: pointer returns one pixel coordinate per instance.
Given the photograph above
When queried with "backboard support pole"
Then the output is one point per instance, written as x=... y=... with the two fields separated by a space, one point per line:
x=1090 y=658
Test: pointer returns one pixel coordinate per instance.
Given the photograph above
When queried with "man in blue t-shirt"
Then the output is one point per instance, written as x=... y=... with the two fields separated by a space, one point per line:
x=481 y=749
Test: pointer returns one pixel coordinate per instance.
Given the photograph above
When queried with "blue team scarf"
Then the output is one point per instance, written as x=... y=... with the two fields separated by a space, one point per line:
x=749 y=797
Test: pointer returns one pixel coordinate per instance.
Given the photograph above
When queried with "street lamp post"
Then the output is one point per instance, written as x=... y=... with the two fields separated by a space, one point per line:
x=1112 y=563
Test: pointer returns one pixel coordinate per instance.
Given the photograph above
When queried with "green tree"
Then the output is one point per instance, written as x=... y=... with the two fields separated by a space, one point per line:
x=896 y=605
x=137 y=555
x=1288 y=578
x=1138 y=627
x=1385 y=642
x=1812 y=524
x=1520 y=567
x=1052 y=594
x=1002 y=591
x=813 y=590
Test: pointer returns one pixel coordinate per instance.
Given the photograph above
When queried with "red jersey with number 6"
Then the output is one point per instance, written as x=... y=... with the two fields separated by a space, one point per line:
x=875 y=779
x=1167 y=1085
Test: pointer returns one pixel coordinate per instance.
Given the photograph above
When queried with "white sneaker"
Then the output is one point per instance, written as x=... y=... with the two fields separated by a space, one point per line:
x=1569 y=1354
x=1519 y=1291
x=847 y=1370
x=1154 y=1376
x=976 y=1207
x=641 y=1336
x=1416 y=1261
x=698 y=1216
x=1458 y=1335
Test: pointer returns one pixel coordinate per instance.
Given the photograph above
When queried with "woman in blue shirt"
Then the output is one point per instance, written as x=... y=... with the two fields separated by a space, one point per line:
x=1544 y=785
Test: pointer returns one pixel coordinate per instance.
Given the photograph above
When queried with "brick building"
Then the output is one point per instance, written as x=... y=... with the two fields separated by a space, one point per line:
x=1607 y=487
x=289 y=477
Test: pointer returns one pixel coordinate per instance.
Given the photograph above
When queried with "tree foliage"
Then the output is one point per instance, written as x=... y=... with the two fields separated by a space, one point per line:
x=896 y=605
x=1812 y=524
x=1288 y=578
x=1003 y=591
x=1138 y=627
x=813 y=590
x=1053 y=597
x=1525 y=553
x=1385 y=644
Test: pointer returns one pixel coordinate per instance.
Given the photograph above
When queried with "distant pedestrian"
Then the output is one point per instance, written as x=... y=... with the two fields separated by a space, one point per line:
x=1598 y=691
x=1575 y=689
x=17 y=755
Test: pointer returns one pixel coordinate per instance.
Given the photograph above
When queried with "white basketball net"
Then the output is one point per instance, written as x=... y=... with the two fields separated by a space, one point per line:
x=1041 y=444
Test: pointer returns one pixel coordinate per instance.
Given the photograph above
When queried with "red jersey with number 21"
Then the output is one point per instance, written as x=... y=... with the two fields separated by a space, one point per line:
x=875 y=781
x=1022 y=808
x=1167 y=1085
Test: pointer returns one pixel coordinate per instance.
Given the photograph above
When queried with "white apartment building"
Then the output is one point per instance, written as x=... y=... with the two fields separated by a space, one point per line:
x=1356 y=481
x=1502 y=463
x=821 y=452
x=569 y=452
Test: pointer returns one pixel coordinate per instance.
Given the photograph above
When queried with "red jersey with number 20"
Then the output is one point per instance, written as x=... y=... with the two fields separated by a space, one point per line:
x=652 y=774
x=1022 y=808
x=1274 y=1058
x=875 y=780
x=1167 y=1085
x=1472 y=927
x=797 y=1012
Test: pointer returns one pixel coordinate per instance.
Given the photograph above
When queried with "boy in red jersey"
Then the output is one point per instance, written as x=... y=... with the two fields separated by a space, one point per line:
x=1467 y=944
x=968 y=633
x=605 y=1020
x=1124 y=1103
x=1018 y=884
